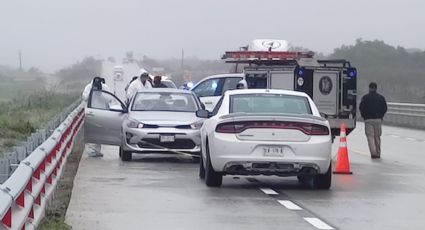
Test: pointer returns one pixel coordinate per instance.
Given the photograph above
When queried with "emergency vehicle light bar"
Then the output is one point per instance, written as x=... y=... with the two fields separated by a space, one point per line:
x=246 y=56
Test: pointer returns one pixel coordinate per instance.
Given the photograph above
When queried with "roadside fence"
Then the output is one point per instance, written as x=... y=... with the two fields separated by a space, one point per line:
x=32 y=170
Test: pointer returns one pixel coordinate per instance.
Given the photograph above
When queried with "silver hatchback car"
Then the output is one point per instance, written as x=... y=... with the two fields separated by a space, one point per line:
x=160 y=120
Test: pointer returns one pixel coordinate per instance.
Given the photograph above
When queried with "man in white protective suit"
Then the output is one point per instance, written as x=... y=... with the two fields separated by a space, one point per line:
x=98 y=83
x=139 y=85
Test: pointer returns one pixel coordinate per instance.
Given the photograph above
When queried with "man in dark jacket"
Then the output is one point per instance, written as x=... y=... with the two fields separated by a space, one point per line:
x=157 y=82
x=373 y=108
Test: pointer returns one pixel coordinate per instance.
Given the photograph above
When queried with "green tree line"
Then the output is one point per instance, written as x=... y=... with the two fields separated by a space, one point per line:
x=399 y=73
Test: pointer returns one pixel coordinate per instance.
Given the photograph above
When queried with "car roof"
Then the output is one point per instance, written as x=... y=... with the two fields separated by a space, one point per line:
x=223 y=75
x=267 y=91
x=165 y=90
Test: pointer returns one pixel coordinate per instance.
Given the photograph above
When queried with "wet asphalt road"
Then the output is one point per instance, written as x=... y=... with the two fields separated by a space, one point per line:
x=164 y=192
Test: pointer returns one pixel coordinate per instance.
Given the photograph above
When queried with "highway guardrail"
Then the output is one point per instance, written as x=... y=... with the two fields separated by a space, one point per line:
x=405 y=114
x=30 y=188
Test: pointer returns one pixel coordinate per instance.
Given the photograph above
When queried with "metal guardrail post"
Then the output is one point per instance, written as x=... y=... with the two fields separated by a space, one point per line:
x=4 y=169
x=21 y=152
x=24 y=148
x=27 y=191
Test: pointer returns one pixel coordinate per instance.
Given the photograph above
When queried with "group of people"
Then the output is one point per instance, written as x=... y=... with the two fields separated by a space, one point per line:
x=372 y=107
x=137 y=83
x=143 y=82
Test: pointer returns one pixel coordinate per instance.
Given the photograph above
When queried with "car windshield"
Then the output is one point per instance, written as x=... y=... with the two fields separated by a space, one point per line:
x=164 y=101
x=269 y=103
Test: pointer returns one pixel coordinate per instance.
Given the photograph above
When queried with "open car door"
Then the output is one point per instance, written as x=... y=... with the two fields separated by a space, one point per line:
x=105 y=114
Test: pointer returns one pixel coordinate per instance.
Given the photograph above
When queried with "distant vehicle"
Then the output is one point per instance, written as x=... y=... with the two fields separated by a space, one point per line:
x=265 y=132
x=159 y=120
x=118 y=73
x=211 y=88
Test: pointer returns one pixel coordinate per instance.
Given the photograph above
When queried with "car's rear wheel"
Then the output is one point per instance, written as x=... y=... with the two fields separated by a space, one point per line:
x=201 y=168
x=323 y=181
x=212 y=178
x=125 y=155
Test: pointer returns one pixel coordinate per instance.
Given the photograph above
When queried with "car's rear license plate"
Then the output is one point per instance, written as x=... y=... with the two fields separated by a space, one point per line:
x=167 y=138
x=273 y=151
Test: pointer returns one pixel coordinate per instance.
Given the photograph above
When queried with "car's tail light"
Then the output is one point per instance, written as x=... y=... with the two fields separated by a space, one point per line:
x=226 y=128
x=238 y=127
x=314 y=129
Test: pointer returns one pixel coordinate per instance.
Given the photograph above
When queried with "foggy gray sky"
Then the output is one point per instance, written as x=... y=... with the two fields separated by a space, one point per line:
x=56 y=33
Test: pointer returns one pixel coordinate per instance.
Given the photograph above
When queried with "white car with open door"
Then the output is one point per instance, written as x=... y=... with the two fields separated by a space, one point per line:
x=158 y=120
x=265 y=132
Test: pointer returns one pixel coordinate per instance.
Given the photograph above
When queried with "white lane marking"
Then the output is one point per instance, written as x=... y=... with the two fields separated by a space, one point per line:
x=269 y=191
x=316 y=222
x=289 y=205
x=411 y=139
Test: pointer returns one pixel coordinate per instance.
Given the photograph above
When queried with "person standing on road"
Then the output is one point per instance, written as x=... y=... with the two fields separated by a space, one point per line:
x=98 y=83
x=157 y=82
x=138 y=85
x=133 y=79
x=373 y=108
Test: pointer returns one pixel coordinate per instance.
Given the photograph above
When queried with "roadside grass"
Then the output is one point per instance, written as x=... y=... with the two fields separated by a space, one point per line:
x=22 y=116
x=54 y=223
x=14 y=88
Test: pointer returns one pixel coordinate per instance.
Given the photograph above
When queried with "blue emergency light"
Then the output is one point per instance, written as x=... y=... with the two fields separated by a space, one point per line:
x=301 y=71
x=352 y=73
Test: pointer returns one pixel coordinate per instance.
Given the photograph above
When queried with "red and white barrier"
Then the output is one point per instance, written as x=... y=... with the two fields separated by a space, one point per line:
x=26 y=193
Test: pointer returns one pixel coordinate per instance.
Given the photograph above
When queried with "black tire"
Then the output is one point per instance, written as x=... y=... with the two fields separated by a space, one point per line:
x=302 y=179
x=323 y=181
x=212 y=178
x=201 y=168
x=125 y=155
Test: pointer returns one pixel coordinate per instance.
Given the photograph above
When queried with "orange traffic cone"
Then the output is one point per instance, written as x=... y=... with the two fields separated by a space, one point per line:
x=342 y=162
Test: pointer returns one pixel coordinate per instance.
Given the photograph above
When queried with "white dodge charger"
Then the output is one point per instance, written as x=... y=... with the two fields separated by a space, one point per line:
x=265 y=132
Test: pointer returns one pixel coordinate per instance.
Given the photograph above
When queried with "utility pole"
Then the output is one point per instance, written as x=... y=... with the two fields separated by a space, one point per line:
x=182 y=60
x=20 y=60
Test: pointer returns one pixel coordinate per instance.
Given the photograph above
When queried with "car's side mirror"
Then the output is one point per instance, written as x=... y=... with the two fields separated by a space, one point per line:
x=203 y=113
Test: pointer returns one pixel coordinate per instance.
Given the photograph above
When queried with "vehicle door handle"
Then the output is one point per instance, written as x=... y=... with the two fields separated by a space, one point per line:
x=208 y=103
